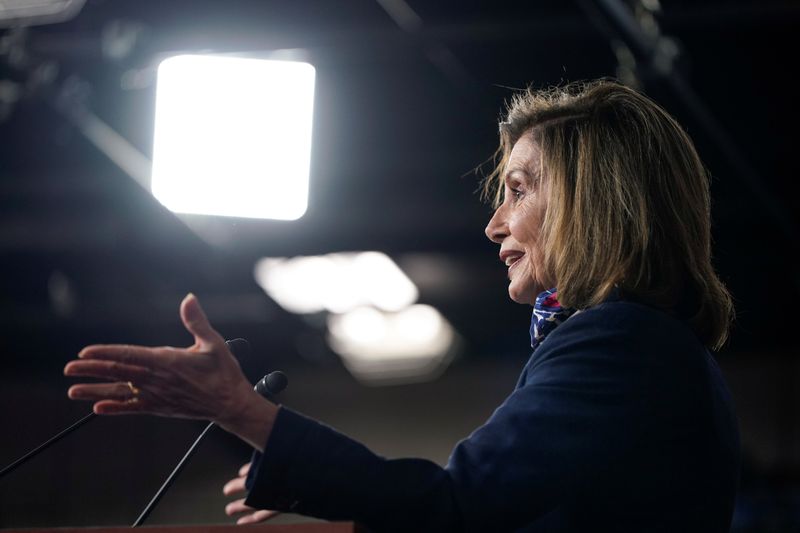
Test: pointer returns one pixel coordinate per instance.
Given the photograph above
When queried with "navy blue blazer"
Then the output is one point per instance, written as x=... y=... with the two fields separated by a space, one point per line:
x=620 y=421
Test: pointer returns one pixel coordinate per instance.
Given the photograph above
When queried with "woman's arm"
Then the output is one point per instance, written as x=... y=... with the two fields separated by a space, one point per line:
x=580 y=411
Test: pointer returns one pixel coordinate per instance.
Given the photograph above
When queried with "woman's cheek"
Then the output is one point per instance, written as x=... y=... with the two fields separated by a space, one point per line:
x=515 y=227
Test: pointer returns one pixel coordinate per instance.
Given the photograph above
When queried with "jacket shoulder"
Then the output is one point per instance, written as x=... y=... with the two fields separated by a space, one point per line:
x=636 y=323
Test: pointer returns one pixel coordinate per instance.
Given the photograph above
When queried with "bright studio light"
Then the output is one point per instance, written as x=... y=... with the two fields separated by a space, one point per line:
x=233 y=136
x=29 y=13
x=378 y=347
x=336 y=282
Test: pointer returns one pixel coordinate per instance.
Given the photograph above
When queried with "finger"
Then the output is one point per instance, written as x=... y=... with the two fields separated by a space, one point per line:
x=245 y=469
x=124 y=353
x=259 y=516
x=237 y=507
x=134 y=406
x=111 y=370
x=196 y=322
x=234 y=486
x=101 y=391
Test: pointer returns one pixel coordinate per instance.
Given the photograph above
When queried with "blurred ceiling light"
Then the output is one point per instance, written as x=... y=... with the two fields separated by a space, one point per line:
x=377 y=347
x=33 y=12
x=233 y=136
x=336 y=282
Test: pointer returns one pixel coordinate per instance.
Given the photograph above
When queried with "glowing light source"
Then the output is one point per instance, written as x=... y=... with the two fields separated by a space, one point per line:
x=378 y=347
x=29 y=13
x=233 y=136
x=373 y=325
x=336 y=282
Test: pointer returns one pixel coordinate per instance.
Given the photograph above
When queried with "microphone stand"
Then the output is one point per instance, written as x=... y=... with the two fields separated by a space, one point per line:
x=43 y=446
x=272 y=383
x=150 y=506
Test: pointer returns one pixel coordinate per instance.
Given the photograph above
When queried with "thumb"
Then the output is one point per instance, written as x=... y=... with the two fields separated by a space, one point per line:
x=195 y=320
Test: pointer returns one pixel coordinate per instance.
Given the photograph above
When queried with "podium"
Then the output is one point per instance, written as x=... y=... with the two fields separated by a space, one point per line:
x=311 y=527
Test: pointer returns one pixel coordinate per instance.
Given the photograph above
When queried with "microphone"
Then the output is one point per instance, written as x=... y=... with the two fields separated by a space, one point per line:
x=269 y=385
x=240 y=348
x=272 y=383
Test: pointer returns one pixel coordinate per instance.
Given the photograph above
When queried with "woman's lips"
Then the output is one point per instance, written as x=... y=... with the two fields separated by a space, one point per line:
x=513 y=261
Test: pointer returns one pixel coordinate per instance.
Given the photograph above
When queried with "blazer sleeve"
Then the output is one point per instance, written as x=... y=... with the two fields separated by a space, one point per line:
x=579 y=409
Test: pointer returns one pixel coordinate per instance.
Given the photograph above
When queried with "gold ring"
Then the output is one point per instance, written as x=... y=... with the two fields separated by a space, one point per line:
x=134 y=392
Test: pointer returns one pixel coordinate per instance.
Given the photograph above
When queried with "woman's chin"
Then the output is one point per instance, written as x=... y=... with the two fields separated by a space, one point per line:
x=521 y=295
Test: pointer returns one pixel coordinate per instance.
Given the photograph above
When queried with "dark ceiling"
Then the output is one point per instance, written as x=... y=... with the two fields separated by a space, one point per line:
x=406 y=108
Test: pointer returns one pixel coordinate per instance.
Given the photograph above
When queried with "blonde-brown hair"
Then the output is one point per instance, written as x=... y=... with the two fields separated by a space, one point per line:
x=628 y=205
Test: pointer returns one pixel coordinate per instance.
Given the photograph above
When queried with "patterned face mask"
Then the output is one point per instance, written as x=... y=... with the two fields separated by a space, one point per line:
x=547 y=314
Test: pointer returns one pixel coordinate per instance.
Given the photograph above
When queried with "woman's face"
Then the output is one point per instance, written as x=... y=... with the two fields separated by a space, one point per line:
x=517 y=224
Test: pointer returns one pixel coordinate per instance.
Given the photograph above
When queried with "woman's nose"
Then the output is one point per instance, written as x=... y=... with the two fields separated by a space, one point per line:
x=497 y=228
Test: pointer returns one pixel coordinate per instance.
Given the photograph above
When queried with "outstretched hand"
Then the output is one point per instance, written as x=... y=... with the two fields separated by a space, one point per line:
x=201 y=381
x=249 y=515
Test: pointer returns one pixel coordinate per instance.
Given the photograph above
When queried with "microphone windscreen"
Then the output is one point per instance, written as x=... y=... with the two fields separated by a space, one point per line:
x=276 y=381
x=272 y=383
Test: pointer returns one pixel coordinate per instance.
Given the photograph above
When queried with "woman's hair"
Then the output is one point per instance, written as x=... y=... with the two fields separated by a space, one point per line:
x=628 y=206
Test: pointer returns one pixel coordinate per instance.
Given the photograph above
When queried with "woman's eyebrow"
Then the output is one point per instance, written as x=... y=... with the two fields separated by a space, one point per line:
x=509 y=173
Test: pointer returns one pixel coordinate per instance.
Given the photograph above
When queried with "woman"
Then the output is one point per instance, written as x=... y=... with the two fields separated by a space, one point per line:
x=620 y=420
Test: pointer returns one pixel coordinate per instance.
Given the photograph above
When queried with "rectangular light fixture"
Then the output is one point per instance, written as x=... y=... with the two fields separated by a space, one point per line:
x=413 y=344
x=233 y=136
x=15 y=13
x=336 y=283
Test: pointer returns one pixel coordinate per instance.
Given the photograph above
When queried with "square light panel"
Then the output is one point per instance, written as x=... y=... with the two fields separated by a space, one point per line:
x=233 y=136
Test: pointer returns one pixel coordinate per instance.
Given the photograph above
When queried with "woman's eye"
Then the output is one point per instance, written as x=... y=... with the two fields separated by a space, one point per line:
x=517 y=193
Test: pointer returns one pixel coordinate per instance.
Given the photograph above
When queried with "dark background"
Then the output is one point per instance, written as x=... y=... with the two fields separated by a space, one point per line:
x=406 y=109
